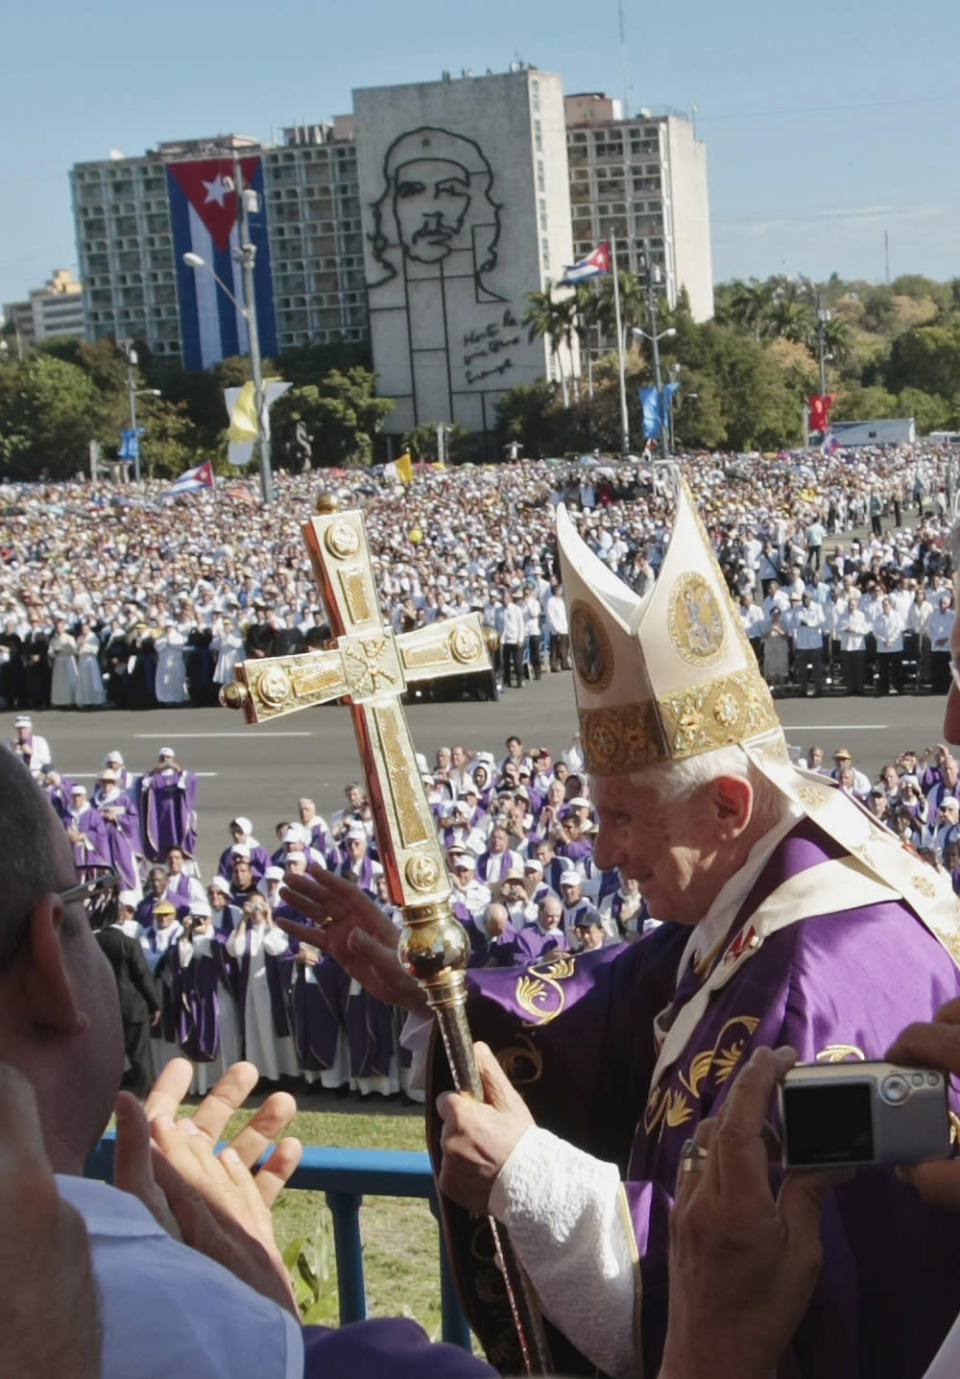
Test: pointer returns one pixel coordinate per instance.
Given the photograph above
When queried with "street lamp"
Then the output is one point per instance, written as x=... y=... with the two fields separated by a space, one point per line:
x=654 y=337
x=133 y=392
x=245 y=254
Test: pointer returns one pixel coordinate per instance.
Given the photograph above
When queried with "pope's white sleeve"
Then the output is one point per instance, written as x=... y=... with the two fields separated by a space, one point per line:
x=567 y=1217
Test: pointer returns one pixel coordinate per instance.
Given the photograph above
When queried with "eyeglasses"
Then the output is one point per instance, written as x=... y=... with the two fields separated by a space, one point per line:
x=99 y=897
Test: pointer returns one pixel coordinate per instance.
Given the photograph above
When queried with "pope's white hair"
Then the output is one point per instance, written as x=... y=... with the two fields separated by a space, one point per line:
x=674 y=781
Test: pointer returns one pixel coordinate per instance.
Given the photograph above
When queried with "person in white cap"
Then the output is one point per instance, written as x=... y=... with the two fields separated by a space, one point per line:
x=269 y=885
x=513 y=897
x=788 y=907
x=32 y=749
x=171 y=679
x=88 y=835
x=122 y=823
x=168 y=808
x=241 y=831
x=127 y=781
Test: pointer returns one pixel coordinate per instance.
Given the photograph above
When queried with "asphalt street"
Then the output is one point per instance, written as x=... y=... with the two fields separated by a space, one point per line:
x=262 y=771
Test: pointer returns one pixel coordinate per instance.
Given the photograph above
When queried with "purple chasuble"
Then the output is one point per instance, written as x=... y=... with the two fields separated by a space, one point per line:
x=200 y=1002
x=168 y=813
x=831 y=986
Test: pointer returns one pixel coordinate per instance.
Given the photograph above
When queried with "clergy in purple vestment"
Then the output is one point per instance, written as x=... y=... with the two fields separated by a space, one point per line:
x=493 y=865
x=168 y=808
x=88 y=835
x=241 y=832
x=787 y=911
x=122 y=822
x=357 y=865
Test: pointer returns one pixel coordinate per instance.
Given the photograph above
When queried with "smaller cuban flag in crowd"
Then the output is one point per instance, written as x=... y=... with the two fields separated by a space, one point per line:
x=592 y=266
x=193 y=480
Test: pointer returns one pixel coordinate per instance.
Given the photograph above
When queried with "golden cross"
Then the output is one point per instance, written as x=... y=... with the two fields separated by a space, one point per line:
x=369 y=666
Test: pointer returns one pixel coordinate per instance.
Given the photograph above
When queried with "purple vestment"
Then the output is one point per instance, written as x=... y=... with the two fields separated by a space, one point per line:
x=168 y=813
x=93 y=854
x=197 y=987
x=123 y=837
x=370 y=1035
x=832 y=986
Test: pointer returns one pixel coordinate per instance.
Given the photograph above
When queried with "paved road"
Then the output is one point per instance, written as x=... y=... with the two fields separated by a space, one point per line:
x=262 y=771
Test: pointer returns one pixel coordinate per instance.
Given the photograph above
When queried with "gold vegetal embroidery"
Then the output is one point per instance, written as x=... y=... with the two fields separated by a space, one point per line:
x=539 y=992
x=522 y=1062
x=925 y=886
x=810 y=796
x=679 y=1110
x=724 y=1061
x=841 y=1053
x=666 y=1108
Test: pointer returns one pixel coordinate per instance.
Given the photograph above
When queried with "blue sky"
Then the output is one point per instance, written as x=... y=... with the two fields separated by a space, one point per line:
x=824 y=125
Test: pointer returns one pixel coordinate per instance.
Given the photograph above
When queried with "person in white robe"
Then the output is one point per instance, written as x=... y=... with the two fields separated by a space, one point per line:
x=171 y=678
x=228 y=644
x=63 y=657
x=256 y=943
x=90 y=692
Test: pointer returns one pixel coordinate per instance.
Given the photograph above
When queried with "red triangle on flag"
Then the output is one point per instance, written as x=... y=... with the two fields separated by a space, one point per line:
x=204 y=473
x=207 y=184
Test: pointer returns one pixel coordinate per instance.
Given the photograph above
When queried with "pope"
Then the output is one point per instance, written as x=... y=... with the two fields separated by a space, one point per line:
x=791 y=917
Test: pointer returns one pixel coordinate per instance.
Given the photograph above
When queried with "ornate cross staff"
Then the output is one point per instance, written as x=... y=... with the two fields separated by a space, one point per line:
x=370 y=667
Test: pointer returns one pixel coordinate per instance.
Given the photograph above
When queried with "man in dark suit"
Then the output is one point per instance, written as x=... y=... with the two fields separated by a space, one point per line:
x=139 y=1002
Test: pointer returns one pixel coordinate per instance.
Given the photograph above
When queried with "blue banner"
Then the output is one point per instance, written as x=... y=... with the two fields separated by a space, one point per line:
x=130 y=443
x=652 y=419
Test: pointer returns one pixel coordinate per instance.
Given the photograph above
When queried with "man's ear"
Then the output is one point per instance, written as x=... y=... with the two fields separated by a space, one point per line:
x=731 y=799
x=49 y=991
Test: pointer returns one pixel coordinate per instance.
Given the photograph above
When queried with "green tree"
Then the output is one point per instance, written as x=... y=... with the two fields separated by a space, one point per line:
x=930 y=411
x=50 y=410
x=928 y=358
x=552 y=319
x=342 y=413
x=856 y=403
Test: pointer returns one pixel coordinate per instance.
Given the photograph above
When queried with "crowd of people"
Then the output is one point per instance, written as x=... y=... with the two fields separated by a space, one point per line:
x=775 y=906
x=517 y=829
x=110 y=595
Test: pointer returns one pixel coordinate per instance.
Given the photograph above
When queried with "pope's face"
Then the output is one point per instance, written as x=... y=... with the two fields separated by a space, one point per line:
x=430 y=200
x=668 y=849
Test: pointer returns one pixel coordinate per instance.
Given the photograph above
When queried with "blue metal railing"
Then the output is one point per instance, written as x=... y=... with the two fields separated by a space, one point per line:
x=346 y=1176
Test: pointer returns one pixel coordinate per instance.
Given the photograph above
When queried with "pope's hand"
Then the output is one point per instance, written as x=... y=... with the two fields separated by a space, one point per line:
x=352 y=929
x=478 y=1137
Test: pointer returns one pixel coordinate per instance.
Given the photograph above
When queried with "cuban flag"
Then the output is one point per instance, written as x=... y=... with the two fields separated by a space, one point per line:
x=590 y=267
x=203 y=213
x=193 y=480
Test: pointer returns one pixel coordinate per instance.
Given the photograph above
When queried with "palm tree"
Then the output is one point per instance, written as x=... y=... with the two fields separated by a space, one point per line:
x=748 y=306
x=633 y=305
x=792 y=319
x=838 y=340
x=552 y=319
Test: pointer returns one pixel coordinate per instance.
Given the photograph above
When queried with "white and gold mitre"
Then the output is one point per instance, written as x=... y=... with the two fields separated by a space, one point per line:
x=668 y=676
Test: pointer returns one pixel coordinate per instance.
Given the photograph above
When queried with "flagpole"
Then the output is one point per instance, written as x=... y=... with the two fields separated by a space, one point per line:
x=624 y=419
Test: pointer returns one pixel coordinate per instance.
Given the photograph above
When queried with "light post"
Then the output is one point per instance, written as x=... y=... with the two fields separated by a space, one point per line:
x=655 y=339
x=823 y=316
x=245 y=254
x=133 y=392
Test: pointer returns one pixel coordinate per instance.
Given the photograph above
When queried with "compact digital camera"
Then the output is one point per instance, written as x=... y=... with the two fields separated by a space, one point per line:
x=849 y=1114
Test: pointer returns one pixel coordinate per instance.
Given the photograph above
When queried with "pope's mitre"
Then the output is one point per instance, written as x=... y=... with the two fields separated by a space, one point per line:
x=668 y=676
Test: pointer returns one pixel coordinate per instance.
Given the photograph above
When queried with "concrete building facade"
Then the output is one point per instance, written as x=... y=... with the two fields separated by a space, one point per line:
x=643 y=178
x=465 y=206
x=52 y=310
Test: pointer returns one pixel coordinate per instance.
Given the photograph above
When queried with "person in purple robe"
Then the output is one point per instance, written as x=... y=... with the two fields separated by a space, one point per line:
x=241 y=831
x=356 y=863
x=168 y=808
x=155 y=890
x=122 y=823
x=493 y=865
x=88 y=835
x=209 y=1030
x=533 y=941
x=181 y=886
x=785 y=909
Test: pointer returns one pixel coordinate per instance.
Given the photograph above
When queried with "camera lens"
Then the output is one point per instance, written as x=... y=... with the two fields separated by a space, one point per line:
x=895 y=1089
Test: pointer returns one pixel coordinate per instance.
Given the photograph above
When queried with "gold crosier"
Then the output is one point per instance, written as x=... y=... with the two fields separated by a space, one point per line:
x=369 y=667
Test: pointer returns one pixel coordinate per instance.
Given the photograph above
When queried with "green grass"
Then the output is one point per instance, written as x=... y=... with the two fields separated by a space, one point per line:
x=400 y=1236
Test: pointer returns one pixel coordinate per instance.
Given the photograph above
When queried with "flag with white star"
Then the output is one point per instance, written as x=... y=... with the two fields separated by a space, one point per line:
x=203 y=217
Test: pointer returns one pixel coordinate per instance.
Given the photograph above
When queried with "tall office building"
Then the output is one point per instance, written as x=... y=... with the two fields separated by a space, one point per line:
x=52 y=310
x=132 y=216
x=643 y=178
